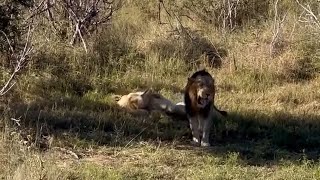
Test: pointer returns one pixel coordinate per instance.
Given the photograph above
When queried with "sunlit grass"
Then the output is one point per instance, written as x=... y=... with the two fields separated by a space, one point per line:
x=272 y=132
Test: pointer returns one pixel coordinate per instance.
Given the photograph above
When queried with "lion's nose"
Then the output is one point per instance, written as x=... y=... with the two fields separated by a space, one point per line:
x=207 y=95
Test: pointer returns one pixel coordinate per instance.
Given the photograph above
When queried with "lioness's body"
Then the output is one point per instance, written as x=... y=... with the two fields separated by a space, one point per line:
x=144 y=102
x=199 y=106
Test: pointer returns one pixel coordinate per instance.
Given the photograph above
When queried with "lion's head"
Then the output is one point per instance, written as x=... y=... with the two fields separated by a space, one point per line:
x=202 y=89
x=136 y=100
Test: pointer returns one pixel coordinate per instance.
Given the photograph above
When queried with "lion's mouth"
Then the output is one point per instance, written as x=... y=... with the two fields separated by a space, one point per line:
x=202 y=102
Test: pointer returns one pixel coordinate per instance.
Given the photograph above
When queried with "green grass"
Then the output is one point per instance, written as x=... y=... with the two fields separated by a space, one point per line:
x=156 y=160
x=71 y=128
x=270 y=134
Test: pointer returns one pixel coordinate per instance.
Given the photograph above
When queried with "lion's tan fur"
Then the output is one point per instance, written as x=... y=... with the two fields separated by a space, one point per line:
x=149 y=101
x=133 y=101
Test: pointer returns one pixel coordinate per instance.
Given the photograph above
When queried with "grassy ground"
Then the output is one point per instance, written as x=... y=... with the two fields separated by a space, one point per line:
x=60 y=121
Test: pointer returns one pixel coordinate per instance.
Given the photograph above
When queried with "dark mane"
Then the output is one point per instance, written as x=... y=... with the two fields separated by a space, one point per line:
x=190 y=111
x=188 y=101
x=200 y=73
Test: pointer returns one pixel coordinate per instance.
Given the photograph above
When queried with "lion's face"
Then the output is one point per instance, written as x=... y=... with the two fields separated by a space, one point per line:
x=136 y=100
x=204 y=87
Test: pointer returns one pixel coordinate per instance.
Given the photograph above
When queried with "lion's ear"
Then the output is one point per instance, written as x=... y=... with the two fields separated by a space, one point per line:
x=191 y=79
x=116 y=97
x=146 y=92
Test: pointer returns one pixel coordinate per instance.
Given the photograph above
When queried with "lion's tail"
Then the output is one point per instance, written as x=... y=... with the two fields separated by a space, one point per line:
x=223 y=113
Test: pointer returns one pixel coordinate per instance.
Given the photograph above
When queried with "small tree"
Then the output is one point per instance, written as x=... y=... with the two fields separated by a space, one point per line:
x=20 y=57
x=82 y=17
x=12 y=46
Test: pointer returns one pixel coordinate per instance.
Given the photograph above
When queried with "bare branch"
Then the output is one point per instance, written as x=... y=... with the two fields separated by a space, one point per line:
x=21 y=60
x=314 y=19
x=8 y=84
x=80 y=35
x=49 y=14
x=9 y=43
x=38 y=9
x=276 y=27
x=83 y=16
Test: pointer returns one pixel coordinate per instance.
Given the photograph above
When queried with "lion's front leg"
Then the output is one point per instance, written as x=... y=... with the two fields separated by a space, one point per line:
x=207 y=122
x=194 y=126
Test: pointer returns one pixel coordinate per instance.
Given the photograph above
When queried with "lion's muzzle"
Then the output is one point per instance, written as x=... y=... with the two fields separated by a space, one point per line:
x=203 y=98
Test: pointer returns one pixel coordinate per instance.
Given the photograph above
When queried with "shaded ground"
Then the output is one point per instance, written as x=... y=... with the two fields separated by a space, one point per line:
x=258 y=138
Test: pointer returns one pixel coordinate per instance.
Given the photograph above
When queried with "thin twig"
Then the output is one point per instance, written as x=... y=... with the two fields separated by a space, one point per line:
x=80 y=35
x=7 y=86
x=50 y=16
x=5 y=35
x=37 y=11
x=276 y=27
x=310 y=13
x=73 y=40
x=131 y=141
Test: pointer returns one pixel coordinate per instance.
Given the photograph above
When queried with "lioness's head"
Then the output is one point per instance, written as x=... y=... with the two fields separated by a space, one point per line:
x=136 y=100
x=203 y=89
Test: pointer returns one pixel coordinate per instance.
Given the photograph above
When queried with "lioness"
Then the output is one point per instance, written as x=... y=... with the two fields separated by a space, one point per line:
x=146 y=101
x=199 y=106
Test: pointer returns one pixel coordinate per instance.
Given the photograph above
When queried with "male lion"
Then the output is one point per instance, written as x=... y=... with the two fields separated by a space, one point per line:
x=199 y=106
x=146 y=101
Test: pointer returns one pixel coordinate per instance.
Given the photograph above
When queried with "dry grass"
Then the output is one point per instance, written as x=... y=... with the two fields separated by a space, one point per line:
x=70 y=127
x=151 y=160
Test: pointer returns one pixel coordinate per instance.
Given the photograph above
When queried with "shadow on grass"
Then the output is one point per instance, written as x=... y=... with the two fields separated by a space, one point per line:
x=268 y=138
x=260 y=139
x=82 y=118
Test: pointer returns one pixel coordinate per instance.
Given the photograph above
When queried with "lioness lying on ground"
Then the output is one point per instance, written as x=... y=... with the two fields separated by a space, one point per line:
x=146 y=101
x=199 y=106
